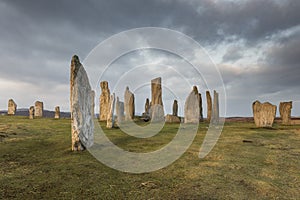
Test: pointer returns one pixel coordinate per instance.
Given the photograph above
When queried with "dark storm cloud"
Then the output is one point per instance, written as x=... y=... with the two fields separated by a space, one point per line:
x=38 y=37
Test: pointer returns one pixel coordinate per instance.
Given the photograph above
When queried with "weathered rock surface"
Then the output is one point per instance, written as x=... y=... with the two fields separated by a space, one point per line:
x=57 y=112
x=82 y=124
x=215 y=111
x=38 y=109
x=110 y=117
x=31 y=112
x=93 y=103
x=172 y=119
x=175 y=108
x=156 y=107
x=129 y=105
x=104 y=101
x=264 y=114
x=285 y=110
x=191 y=107
x=119 y=111
x=209 y=105
x=12 y=107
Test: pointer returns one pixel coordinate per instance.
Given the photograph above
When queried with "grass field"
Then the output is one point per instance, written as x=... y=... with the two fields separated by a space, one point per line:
x=36 y=163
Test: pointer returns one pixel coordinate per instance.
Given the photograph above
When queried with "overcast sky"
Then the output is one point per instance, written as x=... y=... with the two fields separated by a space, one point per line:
x=255 y=45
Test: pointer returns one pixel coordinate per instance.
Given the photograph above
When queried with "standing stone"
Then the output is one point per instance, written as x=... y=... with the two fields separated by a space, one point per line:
x=110 y=117
x=129 y=105
x=119 y=111
x=200 y=107
x=57 y=112
x=175 y=108
x=191 y=107
x=215 y=111
x=264 y=114
x=93 y=103
x=31 y=112
x=147 y=107
x=157 y=109
x=38 y=109
x=285 y=110
x=104 y=101
x=209 y=106
x=12 y=107
x=82 y=124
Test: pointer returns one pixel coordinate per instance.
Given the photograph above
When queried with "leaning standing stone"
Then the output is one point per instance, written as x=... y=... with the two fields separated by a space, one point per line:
x=285 y=110
x=82 y=124
x=12 y=107
x=264 y=114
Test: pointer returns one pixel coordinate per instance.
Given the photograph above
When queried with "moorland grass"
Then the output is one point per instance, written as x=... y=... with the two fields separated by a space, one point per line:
x=36 y=163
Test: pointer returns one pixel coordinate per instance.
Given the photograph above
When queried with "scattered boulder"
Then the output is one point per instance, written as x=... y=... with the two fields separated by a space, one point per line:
x=285 y=110
x=191 y=107
x=157 y=109
x=129 y=105
x=172 y=119
x=209 y=106
x=264 y=114
x=57 y=112
x=104 y=101
x=31 y=112
x=82 y=124
x=110 y=117
x=12 y=107
x=175 y=108
x=38 y=109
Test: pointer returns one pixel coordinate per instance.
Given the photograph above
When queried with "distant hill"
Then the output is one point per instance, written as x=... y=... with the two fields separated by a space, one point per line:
x=46 y=113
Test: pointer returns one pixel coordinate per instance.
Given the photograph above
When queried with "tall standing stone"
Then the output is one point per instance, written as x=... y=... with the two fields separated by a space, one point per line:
x=200 y=107
x=82 y=124
x=129 y=105
x=285 y=110
x=38 y=109
x=157 y=109
x=215 y=111
x=110 y=117
x=175 y=108
x=119 y=111
x=57 y=112
x=147 y=107
x=104 y=101
x=191 y=107
x=264 y=114
x=209 y=106
x=12 y=107
x=31 y=112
